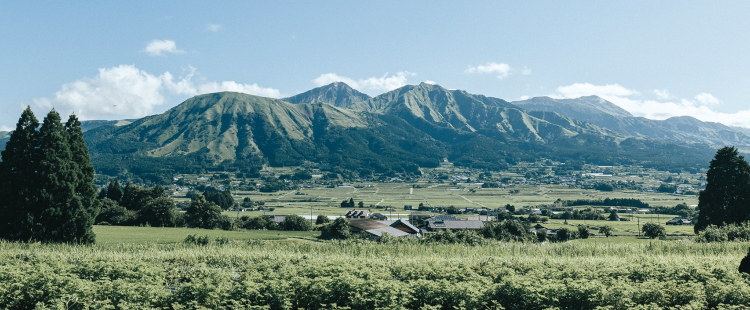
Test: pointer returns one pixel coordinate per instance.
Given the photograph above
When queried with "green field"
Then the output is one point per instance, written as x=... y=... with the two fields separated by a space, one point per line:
x=300 y=274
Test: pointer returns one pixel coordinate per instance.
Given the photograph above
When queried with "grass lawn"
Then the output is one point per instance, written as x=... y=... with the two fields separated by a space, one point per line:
x=165 y=235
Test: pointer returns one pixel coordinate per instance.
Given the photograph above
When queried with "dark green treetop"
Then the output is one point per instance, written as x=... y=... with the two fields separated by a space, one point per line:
x=726 y=198
x=203 y=214
x=114 y=191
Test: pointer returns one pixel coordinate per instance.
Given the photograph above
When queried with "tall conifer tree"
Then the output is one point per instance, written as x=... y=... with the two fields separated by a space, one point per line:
x=56 y=185
x=17 y=171
x=84 y=216
x=726 y=198
x=114 y=192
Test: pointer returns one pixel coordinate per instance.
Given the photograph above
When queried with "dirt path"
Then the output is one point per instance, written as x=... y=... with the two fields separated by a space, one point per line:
x=476 y=203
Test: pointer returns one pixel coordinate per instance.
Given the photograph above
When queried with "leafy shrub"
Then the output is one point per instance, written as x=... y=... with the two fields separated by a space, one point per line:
x=322 y=219
x=653 y=230
x=295 y=223
x=729 y=232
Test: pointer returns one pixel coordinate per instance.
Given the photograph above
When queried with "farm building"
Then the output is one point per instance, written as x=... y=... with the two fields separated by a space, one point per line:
x=357 y=214
x=375 y=228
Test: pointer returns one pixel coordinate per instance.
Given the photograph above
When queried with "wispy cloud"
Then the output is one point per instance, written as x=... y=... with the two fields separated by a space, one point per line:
x=213 y=27
x=662 y=94
x=383 y=83
x=708 y=99
x=501 y=69
x=699 y=108
x=128 y=92
x=6 y=128
x=526 y=71
x=159 y=47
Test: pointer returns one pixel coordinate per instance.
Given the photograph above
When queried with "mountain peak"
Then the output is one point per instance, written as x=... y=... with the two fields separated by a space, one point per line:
x=338 y=94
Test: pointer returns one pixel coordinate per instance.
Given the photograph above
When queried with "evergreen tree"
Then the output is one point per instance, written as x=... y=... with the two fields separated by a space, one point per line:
x=83 y=218
x=17 y=171
x=103 y=193
x=727 y=195
x=114 y=192
x=55 y=213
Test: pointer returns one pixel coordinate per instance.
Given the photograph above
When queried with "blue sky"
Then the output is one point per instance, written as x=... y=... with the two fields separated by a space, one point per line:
x=115 y=60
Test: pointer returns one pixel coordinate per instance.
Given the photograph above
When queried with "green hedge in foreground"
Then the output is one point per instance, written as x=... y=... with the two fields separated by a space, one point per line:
x=363 y=275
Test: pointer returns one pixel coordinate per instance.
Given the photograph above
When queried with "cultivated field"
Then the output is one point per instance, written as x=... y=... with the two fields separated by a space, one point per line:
x=257 y=274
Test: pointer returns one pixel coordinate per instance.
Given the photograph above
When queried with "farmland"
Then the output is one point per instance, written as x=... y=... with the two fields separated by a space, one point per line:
x=524 y=186
x=258 y=274
x=152 y=268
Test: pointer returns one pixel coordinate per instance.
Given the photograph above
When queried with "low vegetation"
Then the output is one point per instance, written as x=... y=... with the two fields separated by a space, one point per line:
x=368 y=275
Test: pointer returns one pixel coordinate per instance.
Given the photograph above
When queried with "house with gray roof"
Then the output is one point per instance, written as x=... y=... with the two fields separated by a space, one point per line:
x=375 y=228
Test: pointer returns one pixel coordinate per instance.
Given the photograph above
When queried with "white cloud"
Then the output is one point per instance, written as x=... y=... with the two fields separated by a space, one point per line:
x=430 y=82
x=159 y=47
x=653 y=109
x=708 y=99
x=524 y=97
x=662 y=94
x=383 y=83
x=6 y=128
x=585 y=89
x=526 y=71
x=502 y=69
x=214 y=87
x=128 y=92
x=213 y=27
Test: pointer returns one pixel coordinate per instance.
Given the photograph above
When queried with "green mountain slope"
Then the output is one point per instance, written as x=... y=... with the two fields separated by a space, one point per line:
x=338 y=94
x=603 y=113
x=249 y=131
x=462 y=111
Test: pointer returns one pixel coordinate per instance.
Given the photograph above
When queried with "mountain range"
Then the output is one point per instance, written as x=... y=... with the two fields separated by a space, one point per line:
x=603 y=113
x=396 y=132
